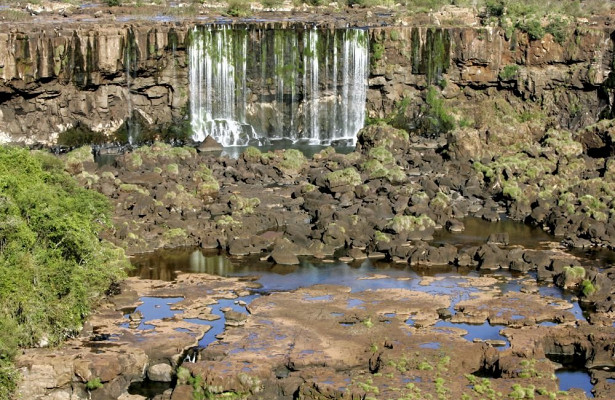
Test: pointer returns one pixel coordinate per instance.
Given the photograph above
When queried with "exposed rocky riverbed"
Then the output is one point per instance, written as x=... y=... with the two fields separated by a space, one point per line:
x=362 y=331
x=381 y=331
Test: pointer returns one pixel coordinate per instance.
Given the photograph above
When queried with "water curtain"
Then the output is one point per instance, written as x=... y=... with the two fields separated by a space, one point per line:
x=250 y=85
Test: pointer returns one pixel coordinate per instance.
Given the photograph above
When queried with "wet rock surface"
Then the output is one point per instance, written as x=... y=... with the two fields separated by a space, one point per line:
x=115 y=350
x=390 y=332
x=329 y=341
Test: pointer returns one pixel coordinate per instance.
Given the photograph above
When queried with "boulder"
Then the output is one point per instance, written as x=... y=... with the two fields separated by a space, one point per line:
x=283 y=256
x=160 y=373
x=209 y=144
x=394 y=140
x=465 y=144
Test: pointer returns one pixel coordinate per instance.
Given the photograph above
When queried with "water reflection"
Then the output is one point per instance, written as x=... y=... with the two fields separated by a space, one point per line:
x=165 y=264
x=477 y=232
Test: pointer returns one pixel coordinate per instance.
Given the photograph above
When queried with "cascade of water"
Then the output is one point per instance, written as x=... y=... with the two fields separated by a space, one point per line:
x=249 y=86
x=311 y=60
x=218 y=86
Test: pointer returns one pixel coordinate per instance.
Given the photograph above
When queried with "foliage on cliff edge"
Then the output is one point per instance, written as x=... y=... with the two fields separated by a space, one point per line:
x=52 y=264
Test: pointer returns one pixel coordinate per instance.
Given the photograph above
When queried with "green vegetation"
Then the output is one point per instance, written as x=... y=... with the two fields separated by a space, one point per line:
x=75 y=159
x=529 y=16
x=381 y=237
x=343 y=177
x=424 y=366
x=520 y=392
x=292 y=160
x=410 y=223
x=93 y=384
x=528 y=369
x=53 y=266
x=507 y=12
x=574 y=273
x=587 y=288
x=173 y=169
x=377 y=52
x=433 y=119
x=243 y=205
x=436 y=119
x=509 y=72
x=239 y=8
x=252 y=154
x=175 y=235
x=380 y=163
x=132 y=188
x=208 y=185
x=80 y=135
x=226 y=221
x=13 y=15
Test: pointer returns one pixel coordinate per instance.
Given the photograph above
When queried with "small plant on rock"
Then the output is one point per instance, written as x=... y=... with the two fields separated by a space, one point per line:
x=93 y=384
x=587 y=288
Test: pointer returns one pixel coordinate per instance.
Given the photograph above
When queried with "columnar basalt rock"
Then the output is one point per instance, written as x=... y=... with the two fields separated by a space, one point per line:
x=566 y=79
x=95 y=77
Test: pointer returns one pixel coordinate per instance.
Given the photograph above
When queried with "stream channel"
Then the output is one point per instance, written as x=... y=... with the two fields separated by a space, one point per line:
x=369 y=275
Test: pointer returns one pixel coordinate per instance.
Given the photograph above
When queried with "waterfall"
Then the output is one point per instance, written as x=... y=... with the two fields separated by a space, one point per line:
x=250 y=85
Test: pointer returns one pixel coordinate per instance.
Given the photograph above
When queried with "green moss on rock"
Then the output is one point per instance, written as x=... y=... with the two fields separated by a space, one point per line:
x=410 y=223
x=344 y=177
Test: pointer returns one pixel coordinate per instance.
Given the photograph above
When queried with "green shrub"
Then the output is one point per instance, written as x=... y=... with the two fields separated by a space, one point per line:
x=509 y=72
x=208 y=186
x=410 y=223
x=495 y=8
x=558 y=28
x=292 y=160
x=175 y=235
x=573 y=273
x=239 y=8
x=75 y=159
x=251 y=154
x=436 y=119
x=183 y=375
x=533 y=28
x=53 y=266
x=381 y=154
x=173 y=169
x=243 y=205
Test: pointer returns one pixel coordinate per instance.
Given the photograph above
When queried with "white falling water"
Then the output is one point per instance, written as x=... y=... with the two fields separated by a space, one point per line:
x=250 y=86
x=216 y=107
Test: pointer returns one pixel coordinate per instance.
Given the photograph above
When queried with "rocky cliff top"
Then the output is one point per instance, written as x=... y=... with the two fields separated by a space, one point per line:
x=31 y=17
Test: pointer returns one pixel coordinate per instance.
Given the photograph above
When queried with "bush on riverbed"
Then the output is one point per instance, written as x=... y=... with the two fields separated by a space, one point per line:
x=53 y=266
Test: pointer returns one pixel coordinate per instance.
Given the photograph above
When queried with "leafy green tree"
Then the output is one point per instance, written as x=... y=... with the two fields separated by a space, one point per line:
x=53 y=266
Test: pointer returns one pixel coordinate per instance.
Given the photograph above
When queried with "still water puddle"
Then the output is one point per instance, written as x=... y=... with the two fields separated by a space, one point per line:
x=217 y=326
x=570 y=378
x=153 y=308
x=572 y=373
x=483 y=332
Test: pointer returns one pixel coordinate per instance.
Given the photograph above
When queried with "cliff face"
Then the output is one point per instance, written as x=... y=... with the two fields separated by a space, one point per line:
x=96 y=77
x=53 y=79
